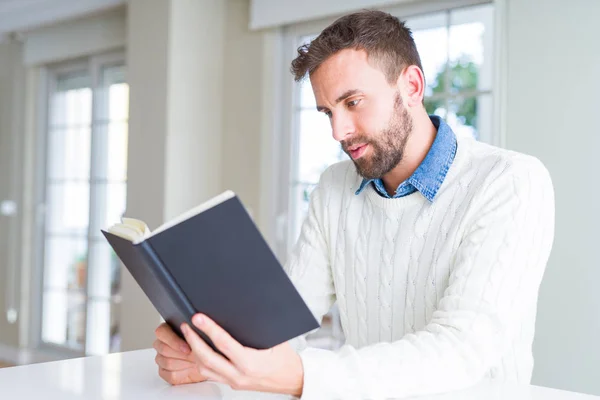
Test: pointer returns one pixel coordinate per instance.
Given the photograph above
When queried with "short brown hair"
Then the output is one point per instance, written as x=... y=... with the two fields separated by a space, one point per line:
x=386 y=39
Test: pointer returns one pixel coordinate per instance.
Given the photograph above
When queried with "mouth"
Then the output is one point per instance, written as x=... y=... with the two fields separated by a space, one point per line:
x=357 y=151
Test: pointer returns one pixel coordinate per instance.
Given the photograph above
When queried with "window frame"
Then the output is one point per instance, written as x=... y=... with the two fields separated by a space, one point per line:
x=46 y=83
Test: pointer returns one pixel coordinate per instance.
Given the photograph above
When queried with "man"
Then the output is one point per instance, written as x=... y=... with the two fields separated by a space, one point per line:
x=434 y=247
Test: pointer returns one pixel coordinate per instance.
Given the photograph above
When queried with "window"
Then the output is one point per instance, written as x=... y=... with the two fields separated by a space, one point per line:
x=456 y=48
x=84 y=191
x=456 y=52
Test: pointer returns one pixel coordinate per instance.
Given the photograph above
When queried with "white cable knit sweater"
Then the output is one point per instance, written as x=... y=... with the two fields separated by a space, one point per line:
x=433 y=296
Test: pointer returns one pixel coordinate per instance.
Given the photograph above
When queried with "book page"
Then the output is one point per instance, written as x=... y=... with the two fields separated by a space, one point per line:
x=131 y=229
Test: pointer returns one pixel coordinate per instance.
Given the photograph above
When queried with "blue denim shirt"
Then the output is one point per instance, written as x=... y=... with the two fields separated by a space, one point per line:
x=429 y=176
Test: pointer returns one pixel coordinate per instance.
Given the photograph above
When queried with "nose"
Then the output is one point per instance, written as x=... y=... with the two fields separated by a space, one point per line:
x=342 y=126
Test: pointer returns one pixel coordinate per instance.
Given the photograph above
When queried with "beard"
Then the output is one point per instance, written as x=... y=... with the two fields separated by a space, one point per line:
x=387 y=147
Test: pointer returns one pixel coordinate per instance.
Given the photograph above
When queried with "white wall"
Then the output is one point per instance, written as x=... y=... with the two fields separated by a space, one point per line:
x=76 y=38
x=553 y=101
x=194 y=103
x=18 y=15
x=11 y=117
x=242 y=94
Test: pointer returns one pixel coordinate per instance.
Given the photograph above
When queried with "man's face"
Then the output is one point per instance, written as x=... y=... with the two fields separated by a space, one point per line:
x=367 y=114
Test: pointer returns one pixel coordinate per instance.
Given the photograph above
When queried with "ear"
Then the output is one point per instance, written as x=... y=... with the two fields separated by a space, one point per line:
x=412 y=83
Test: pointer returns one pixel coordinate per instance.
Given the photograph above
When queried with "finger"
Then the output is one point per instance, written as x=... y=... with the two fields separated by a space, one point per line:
x=221 y=339
x=177 y=377
x=163 y=349
x=210 y=361
x=172 y=364
x=165 y=334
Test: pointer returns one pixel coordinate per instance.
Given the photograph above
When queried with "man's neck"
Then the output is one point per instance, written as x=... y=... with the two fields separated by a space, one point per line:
x=417 y=146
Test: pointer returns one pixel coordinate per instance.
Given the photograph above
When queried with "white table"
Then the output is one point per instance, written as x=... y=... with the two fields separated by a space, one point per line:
x=133 y=375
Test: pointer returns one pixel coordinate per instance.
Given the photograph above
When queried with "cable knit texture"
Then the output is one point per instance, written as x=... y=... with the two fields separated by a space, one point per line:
x=433 y=296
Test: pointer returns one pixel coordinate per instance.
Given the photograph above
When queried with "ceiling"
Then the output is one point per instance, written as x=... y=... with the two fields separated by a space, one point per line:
x=11 y=5
x=24 y=15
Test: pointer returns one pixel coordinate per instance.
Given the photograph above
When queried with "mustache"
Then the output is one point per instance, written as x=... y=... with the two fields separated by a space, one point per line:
x=351 y=142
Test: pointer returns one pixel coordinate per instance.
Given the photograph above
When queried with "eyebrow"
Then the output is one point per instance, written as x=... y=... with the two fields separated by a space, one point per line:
x=343 y=97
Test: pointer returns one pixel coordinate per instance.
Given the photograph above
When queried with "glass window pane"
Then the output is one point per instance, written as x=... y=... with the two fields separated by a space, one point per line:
x=67 y=208
x=69 y=153
x=484 y=121
x=431 y=37
x=74 y=80
x=98 y=323
x=71 y=104
x=111 y=151
x=462 y=116
x=118 y=102
x=65 y=262
x=110 y=204
x=54 y=317
x=103 y=328
x=113 y=74
x=317 y=148
x=104 y=279
x=471 y=48
x=307 y=96
x=304 y=88
x=63 y=319
x=436 y=107
x=306 y=39
x=113 y=95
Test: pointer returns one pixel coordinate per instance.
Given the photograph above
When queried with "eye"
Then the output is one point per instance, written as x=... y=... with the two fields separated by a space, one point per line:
x=328 y=113
x=353 y=103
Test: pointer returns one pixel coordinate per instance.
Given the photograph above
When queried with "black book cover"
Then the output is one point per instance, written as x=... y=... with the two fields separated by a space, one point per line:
x=218 y=263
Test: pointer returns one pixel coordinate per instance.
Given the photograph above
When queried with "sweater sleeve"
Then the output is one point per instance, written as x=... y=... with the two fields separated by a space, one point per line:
x=308 y=265
x=496 y=275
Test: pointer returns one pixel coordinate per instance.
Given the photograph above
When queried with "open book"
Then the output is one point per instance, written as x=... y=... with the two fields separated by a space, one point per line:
x=213 y=259
x=136 y=230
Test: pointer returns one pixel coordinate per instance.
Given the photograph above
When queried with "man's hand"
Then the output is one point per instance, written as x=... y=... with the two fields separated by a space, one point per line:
x=278 y=369
x=176 y=363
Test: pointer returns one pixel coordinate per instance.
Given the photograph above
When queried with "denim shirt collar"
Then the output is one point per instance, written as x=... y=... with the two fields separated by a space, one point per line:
x=430 y=174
